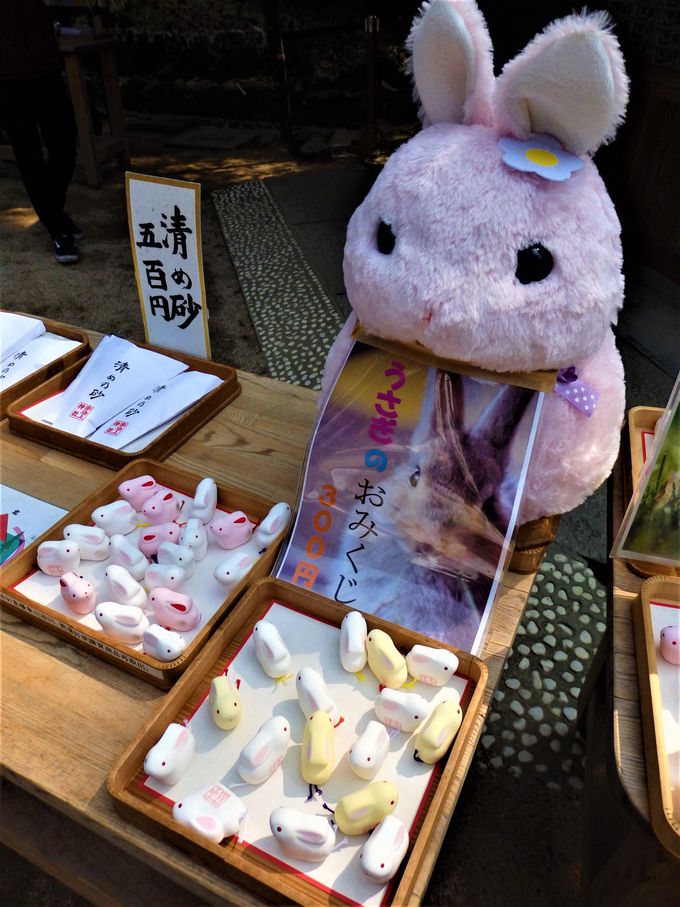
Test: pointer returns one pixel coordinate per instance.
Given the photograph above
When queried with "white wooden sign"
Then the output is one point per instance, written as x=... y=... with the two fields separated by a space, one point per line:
x=164 y=216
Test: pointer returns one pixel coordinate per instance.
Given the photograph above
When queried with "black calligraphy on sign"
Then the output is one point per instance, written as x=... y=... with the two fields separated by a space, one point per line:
x=178 y=306
x=170 y=233
x=370 y=496
x=176 y=232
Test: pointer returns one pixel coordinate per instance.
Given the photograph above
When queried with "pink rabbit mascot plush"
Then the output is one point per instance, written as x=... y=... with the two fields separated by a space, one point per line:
x=489 y=238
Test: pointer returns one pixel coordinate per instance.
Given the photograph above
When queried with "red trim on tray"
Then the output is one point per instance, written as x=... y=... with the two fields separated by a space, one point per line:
x=660 y=604
x=22 y=412
x=644 y=434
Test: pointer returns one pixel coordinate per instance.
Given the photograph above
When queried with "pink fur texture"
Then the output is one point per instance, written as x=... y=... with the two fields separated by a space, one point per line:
x=573 y=454
x=460 y=215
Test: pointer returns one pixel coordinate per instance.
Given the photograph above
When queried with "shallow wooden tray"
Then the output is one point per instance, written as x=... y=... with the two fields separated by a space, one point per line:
x=642 y=421
x=665 y=822
x=41 y=375
x=236 y=860
x=160 y=448
x=160 y=673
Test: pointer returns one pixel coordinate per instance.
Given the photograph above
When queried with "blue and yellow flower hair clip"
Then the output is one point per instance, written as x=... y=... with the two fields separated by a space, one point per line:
x=542 y=155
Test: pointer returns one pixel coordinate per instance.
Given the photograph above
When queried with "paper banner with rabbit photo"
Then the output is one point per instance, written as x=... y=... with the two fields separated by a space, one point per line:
x=411 y=492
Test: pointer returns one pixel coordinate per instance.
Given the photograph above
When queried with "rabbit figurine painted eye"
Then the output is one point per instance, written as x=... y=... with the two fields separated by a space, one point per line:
x=489 y=237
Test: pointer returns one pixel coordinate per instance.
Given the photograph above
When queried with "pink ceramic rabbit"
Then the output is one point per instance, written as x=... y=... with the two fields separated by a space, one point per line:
x=162 y=507
x=137 y=491
x=152 y=538
x=489 y=238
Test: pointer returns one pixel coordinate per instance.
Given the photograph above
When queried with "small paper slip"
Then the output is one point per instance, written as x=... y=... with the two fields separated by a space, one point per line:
x=16 y=331
x=35 y=355
x=155 y=408
x=116 y=374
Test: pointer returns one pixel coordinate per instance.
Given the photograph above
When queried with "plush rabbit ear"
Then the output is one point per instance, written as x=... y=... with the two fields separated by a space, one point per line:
x=450 y=59
x=570 y=82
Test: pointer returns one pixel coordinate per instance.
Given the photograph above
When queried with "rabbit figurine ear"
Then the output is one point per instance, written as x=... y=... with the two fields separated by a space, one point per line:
x=450 y=58
x=569 y=82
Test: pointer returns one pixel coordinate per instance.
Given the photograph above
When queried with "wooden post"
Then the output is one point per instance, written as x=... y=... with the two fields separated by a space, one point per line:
x=87 y=146
x=370 y=139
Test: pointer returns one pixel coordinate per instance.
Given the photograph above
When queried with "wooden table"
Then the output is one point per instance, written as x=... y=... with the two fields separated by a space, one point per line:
x=67 y=715
x=622 y=861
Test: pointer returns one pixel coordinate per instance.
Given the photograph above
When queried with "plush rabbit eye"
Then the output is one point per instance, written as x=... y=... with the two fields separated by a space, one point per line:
x=385 y=238
x=415 y=475
x=533 y=264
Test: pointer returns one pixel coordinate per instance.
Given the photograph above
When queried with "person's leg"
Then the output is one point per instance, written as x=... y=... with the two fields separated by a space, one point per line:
x=19 y=121
x=57 y=126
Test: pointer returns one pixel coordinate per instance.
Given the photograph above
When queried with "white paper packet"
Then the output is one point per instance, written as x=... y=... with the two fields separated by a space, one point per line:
x=35 y=355
x=156 y=407
x=116 y=374
x=16 y=331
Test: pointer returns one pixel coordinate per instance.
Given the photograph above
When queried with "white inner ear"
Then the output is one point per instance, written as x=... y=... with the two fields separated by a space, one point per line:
x=566 y=91
x=443 y=64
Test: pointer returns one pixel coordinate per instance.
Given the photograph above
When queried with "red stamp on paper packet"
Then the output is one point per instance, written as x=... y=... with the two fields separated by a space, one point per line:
x=81 y=412
x=116 y=427
x=216 y=795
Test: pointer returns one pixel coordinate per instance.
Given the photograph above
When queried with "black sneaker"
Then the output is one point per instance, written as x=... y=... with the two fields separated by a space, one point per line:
x=66 y=249
x=72 y=229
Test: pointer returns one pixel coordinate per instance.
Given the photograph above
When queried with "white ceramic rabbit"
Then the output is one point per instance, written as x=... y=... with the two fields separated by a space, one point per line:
x=93 y=542
x=194 y=536
x=369 y=751
x=170 y=576
x=205 y=501
x=262 y=755
x=353 y=633
x=57 y=558
x=302 y=835
x=489 y=237
x=403 y=711
x=116 y=518
x=127 y=555
x=313 y=694
x=123 y=587
x=169 y=759
x=214 y=812
x=270 y=649
x=124 y=623
x=163 y=644
x=180 y=555
x=385 y=849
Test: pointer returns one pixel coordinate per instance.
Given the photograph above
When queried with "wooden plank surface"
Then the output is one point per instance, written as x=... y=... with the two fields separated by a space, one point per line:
x=68 y=715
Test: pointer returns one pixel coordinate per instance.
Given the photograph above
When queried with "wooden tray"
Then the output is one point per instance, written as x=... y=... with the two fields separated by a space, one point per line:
x=642 y=422
x=665 y=820
x=41 y=375
x=158 y=449
x=238 y=861
x=161 y=674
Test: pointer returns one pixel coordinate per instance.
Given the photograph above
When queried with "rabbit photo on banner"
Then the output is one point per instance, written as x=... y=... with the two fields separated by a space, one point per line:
x=410 y=516
x=489 y=238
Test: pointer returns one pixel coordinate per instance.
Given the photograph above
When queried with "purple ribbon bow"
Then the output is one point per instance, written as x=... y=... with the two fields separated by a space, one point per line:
x=582 y=396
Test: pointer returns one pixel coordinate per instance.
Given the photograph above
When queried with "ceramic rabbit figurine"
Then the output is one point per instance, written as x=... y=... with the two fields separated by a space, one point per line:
x=489 y=237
